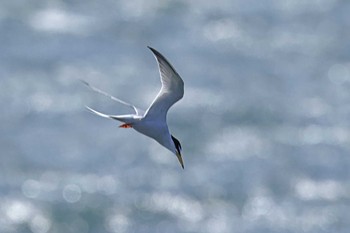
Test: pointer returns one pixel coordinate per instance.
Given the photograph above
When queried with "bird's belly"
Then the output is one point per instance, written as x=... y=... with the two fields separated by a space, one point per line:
x=152 y=129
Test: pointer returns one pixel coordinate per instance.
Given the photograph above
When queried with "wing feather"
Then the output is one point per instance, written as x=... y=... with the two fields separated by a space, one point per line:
x=172 y=89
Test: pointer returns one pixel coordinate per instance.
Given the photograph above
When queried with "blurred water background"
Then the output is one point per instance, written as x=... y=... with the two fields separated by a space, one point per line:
x=264 y=124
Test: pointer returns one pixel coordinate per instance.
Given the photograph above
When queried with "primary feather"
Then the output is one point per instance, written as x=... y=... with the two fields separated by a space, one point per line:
x=172 y=89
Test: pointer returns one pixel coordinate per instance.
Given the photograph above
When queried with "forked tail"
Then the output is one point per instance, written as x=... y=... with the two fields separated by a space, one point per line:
x=123 y=118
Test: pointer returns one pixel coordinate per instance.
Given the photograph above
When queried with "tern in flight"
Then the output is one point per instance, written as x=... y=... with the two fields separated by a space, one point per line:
x=152 y=122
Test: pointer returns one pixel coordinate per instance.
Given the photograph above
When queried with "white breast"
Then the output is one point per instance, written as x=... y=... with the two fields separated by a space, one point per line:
x=157 y=130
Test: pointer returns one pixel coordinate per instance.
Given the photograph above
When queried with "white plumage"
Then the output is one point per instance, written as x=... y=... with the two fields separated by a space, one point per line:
x=152 y=122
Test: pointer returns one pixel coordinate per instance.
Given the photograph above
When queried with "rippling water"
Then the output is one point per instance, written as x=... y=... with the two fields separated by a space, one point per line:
x=264 y=123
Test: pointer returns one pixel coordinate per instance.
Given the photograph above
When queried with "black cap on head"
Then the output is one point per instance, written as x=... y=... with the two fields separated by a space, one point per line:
x=177 y=144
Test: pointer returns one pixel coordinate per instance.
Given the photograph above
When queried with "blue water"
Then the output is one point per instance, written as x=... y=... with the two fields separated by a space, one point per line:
x=264 y=123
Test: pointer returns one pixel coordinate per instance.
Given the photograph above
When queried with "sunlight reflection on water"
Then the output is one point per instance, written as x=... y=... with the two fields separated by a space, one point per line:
x=263 y=123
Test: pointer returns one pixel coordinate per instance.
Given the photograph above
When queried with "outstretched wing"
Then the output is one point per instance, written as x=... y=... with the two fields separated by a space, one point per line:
x=138 y=111
x=172 y=89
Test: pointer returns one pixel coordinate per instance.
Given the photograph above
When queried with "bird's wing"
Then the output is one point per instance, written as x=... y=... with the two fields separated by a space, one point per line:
x=138 y=111
x=171 y=91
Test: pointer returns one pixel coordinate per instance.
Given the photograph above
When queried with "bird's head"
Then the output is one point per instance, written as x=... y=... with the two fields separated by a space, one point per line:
x=178 y=150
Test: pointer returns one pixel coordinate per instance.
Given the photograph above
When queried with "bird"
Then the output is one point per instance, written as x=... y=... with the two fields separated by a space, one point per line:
x=153 y=121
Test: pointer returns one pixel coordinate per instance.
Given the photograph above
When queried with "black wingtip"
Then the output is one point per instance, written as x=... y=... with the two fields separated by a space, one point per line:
x=155 y=52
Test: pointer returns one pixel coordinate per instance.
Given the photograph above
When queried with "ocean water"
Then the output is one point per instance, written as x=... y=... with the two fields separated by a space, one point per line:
x=264 y=123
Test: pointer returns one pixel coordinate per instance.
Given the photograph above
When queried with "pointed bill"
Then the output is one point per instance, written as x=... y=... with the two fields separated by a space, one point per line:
x=179 y=157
